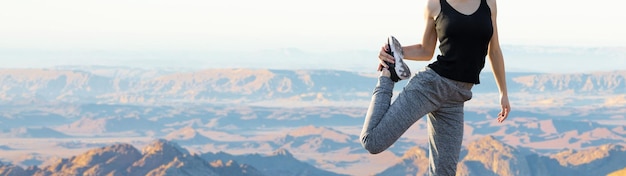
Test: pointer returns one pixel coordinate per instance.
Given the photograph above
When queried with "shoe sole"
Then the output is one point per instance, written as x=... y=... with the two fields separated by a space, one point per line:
x=401 y=69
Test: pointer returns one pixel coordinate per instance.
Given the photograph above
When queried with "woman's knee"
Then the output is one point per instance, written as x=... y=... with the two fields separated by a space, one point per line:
x=371 y=146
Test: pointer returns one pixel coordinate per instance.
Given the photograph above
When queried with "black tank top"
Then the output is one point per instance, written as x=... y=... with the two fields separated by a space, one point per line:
x=463 y=42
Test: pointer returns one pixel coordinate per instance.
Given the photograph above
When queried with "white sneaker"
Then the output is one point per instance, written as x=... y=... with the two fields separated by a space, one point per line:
x=399 y=70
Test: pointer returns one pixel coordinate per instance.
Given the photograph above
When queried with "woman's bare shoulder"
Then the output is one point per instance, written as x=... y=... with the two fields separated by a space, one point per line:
x=492 y=5
x=433 y=7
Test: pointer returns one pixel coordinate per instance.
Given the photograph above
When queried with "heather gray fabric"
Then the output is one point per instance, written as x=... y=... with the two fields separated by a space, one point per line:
x=426 y=93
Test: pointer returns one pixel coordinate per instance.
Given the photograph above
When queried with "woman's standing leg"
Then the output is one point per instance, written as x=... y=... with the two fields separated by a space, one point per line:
x=445 y=128
x=445 y=135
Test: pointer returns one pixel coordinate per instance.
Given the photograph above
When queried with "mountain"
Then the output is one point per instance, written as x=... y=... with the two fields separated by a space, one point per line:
x=162 y=157
x=12 y=170
x=166 y=158
x=32 y=159
x=188 y=136
x=316 y=115
x=232 y=168
x=330 y=134
x=311 y=139
x=126 y=86
x=600 y=160
x=47 y=85
x=605 y=82
x=280 y=163
x=158 y=158
x=324 y=137
x=200 y=86
x=550 y=133
x=111 y=160
x=109 y=125
x=485 y=156
x=489 y=156
x=413 y=162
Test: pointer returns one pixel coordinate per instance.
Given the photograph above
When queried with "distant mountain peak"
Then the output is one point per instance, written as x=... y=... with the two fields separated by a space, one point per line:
x=490 y=154
x=322 y=131
x=231 y=167
x=612 y=147
x=489 y=138
x=491 y=143
x=413 y=162
x=188 y=135
x=164 y=146
x=282 y=152
x=105 y=153
x=575 y=158
x=183 y=133
x=415 y=153
x=100 y=161
x=122 y=148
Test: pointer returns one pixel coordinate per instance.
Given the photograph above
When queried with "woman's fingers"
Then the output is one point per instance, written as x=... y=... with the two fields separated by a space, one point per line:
x=384 y=57
x=504 y=113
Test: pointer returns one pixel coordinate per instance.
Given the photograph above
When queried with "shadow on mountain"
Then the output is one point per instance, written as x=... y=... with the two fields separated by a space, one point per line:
x=280 y=163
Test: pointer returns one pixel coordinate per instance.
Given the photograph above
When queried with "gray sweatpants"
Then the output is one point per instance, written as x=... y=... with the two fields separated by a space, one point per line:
x=426 y=93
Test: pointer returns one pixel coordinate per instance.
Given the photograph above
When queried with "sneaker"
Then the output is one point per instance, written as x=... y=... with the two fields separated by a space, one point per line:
x=399 y=70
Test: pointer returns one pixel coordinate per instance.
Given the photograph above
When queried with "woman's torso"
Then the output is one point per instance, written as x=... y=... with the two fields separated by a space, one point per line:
x=464 y=39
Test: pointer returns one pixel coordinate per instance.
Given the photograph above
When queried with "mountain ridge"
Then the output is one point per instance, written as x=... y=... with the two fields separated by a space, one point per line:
x=119 y=85
x=484 y=156
x=161 y=157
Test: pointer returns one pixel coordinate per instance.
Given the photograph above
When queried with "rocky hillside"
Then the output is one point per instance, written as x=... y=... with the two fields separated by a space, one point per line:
x=167 y=158
x=595 y=161
x=123 y=85
x=606 y=82
x=159 y=158
x=413 y=162
x=488 y=156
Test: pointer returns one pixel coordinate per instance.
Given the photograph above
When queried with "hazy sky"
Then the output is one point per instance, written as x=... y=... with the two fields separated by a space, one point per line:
x=252 y=25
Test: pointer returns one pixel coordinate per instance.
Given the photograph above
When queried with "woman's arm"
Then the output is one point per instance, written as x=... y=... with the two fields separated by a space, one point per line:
x=497 y=64
x=425 y=50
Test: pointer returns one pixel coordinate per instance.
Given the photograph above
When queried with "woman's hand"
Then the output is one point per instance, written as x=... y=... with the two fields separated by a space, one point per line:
x=383 y=57
x=506 y=108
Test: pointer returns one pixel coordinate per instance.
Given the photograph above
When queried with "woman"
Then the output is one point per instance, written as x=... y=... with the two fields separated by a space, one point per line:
x=467 y=32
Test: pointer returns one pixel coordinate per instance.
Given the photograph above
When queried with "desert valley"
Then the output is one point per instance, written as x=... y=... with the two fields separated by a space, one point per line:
x=95 y=120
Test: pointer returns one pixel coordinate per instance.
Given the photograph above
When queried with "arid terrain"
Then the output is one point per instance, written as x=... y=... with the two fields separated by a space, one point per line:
x=128 y=121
